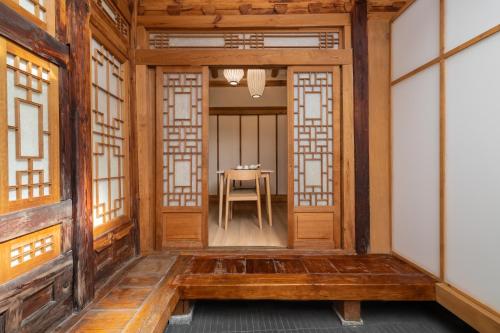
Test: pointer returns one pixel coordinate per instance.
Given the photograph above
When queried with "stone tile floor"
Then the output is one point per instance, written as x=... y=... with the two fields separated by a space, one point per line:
x=317 y=317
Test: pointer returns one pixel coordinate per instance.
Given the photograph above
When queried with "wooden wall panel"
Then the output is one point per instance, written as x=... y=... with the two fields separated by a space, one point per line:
x=379 y=124
x=282 y=155
x=229 y=142
x=213 y=153
x=267 y=146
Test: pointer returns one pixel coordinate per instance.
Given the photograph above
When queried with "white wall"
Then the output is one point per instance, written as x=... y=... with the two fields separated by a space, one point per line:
x=471 y=142
x=415 y=136
x=415 y=169
x=473 y=171
x=415 y=37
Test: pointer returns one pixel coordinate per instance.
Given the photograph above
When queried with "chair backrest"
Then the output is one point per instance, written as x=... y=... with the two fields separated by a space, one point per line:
x=242 y=174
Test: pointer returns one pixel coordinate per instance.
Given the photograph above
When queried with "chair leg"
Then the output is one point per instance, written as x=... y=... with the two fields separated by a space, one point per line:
x=231 y=211
x=259 y=213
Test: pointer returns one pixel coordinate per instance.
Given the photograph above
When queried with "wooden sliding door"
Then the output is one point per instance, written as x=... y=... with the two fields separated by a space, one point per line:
x=314 y=161
x=182 y=156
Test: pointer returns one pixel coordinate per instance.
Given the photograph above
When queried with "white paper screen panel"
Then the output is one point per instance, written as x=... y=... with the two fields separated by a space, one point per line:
x=282 y=155
x=472 y=171
x=212 y=155
x=415 y=37
x=229 y=142
x=267 y=149
x=109 y=137
x=415 y=169
x=467 y=19
x=182 y=139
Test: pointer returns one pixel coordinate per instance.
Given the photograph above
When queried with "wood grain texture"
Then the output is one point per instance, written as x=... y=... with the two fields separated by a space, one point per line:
x=353 y=278
x=379 y=135
x=361 y=125
x=27 y=34
x=475 y=314
x=267 y=57
x=245 y=21
x=83 y=252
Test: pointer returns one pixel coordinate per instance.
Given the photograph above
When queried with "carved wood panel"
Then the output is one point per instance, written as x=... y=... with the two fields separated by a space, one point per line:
x=110 y=189
x=29 y=153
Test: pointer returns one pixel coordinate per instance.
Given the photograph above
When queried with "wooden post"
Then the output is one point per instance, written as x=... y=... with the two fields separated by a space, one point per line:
x=361 y=139
x=134 y=164
x=79 y=77
x=349 y=312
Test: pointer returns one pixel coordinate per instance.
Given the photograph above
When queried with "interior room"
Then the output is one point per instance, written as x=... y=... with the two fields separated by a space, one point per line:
x=171 y=164
x=248 y=130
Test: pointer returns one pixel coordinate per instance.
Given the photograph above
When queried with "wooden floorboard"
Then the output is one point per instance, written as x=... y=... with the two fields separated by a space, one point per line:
x=296 y=277
x=142 y=298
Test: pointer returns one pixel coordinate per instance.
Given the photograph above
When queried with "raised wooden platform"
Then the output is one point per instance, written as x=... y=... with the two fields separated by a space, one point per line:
x=296 y=277
x=142 y=297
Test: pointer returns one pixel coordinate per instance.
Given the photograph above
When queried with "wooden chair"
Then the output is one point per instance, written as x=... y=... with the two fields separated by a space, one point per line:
x=242 y=194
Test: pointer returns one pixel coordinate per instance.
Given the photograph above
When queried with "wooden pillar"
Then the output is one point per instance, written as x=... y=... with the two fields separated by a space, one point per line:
x=134 y=164
x=349 y=312
x=79 y=84
x=361 y=139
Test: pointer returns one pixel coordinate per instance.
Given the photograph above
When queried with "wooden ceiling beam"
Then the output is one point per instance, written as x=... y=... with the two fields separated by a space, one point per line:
x=205 y=57
x=244 y=21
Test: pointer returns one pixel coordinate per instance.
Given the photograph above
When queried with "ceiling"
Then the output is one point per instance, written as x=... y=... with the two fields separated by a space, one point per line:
x=259 y=7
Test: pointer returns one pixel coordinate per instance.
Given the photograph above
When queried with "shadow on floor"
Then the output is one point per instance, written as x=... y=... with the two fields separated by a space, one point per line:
x=309 y=317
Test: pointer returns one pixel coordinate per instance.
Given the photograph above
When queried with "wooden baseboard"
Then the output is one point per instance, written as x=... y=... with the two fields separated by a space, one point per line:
x=479 y=316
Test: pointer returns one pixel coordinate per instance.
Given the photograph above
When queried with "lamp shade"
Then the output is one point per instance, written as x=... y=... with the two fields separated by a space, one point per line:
x=233 y=75
x=256 y=79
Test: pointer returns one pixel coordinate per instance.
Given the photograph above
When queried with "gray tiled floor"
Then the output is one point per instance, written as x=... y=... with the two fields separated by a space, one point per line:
x=317 y=317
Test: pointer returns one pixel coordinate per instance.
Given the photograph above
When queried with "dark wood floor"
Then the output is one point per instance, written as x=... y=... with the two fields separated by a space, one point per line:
x=142 y=297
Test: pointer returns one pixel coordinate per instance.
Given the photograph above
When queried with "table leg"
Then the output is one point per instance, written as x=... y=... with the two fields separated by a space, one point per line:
x=268 y=195
x=221 y=197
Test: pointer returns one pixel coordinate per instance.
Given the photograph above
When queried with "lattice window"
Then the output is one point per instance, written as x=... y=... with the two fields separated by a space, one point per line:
x=29 y=155
x=37 y=8
x=24 y=253
x=110 y=10
x=313 y=139
x=246 y=40
x=109 y=137
x=182 y=139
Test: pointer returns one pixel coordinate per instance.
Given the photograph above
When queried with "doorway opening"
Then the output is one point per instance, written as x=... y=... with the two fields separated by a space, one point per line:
x=248 y=132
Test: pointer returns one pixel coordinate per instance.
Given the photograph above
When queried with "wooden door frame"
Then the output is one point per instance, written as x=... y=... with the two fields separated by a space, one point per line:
x=160 y=209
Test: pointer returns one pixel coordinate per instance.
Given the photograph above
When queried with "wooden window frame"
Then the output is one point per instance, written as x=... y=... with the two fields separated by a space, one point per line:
x=117 y=52
x=7 y=206
x=50 y=6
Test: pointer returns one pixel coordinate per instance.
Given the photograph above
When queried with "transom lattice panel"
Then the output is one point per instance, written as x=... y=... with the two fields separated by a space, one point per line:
x=182 y=138
x=114 y=15
x=246 y=40
x=109 y=137
x=29 y=153
x=313 y=148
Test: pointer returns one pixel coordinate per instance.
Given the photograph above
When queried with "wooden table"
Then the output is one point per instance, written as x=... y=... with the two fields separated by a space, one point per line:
x=266 y=175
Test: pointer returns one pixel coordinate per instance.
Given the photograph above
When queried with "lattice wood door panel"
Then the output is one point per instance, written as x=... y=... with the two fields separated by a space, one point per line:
x=314 y=154
x=182 y=148
x=110 y=131
x=40 y=12
x=29 y=129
